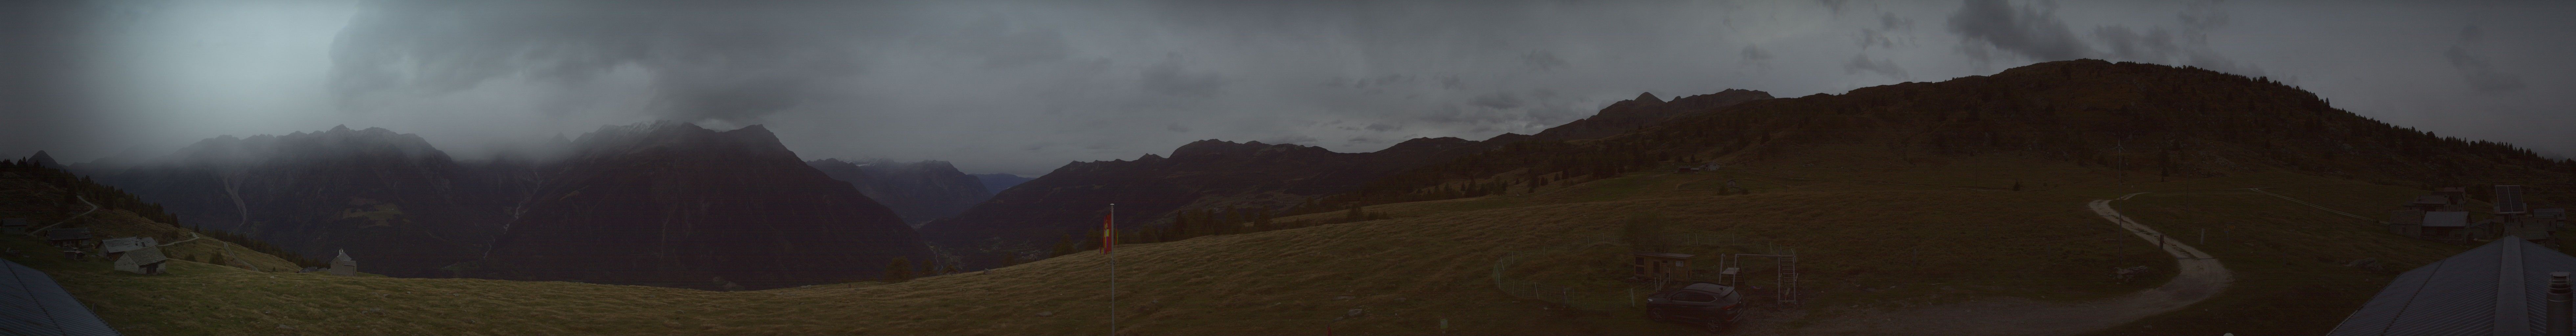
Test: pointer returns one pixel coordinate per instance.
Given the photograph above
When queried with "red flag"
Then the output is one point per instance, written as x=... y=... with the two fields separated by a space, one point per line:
x=1108 y=233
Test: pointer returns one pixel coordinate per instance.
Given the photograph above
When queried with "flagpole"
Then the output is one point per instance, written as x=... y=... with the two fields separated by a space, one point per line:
x=1111 y=234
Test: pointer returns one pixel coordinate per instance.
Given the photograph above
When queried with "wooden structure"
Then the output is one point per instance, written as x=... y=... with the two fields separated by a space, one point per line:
x=2447 y=225
x=1788 y=274
x=2430 y=203
x=75 y=238
x=13 y=226
x=145 y=261
x=2444 y=216
x=2457 y=195
x=1659 y=267
x=343 y=265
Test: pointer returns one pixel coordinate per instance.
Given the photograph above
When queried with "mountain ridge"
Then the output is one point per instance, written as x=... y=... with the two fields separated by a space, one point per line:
x=918 y=191
x=1250 y=175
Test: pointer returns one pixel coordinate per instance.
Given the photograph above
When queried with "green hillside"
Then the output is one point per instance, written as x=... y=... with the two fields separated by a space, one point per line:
x=1877 y=238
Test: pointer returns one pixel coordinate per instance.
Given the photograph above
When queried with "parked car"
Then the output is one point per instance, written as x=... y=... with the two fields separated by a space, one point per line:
x=1709 y=305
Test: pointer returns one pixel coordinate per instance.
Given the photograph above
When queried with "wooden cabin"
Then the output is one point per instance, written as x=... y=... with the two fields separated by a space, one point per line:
x=1659 y=266
x=13 y=226
x=2448 y=225
x=2430 y=203
x=73 y=238
x=2459 y=196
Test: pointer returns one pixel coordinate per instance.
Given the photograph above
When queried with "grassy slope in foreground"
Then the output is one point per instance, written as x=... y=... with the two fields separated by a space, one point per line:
x=1867 y=246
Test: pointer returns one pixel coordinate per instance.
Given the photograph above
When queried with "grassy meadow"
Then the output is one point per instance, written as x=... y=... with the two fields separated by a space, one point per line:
x=1875 y=230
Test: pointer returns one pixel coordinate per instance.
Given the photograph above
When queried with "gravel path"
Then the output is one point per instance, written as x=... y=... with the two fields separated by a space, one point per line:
x=2201 y=277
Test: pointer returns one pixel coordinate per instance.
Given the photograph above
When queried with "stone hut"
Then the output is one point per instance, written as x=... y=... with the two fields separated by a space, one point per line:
x=119 y=246
x=343 y=265
x=145 y=261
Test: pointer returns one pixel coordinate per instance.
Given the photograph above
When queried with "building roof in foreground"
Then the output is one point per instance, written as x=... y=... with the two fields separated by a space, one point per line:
x=2496 y=289
x=31 y=304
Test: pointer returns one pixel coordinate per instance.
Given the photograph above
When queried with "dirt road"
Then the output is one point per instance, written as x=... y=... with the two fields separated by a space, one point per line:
x=2201 y=277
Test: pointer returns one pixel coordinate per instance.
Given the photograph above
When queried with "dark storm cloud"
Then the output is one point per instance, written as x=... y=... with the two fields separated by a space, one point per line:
x=2480 y=75
x=1885 y=35
x=1497 y=100
x=1753 y=54
x=732 y=62
x=1862 y=63
x=2030 y=32
x=1170 y=78
x=2038 y=34
x=1543 y=60
x=1001 y=46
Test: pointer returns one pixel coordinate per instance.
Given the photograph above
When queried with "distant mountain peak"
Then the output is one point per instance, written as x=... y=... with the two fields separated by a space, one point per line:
x=1632 y=114
x=46 y=160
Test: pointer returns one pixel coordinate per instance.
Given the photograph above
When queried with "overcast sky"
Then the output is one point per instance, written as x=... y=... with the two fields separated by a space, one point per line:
x=1023 y=87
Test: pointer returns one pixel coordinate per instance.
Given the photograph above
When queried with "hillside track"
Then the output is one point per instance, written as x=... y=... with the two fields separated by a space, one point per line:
x=2200 y=278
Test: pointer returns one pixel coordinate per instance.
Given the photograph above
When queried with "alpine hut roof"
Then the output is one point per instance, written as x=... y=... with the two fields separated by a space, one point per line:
x=2432 y=200
x=2496 y=289
x=125 y=244
x=32 y=304
x=144 y=256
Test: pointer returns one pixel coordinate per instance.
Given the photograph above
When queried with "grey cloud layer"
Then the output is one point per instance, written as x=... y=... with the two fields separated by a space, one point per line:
x=1022 y=87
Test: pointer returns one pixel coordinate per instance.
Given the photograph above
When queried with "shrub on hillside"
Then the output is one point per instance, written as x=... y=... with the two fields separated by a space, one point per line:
x=899 y=270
